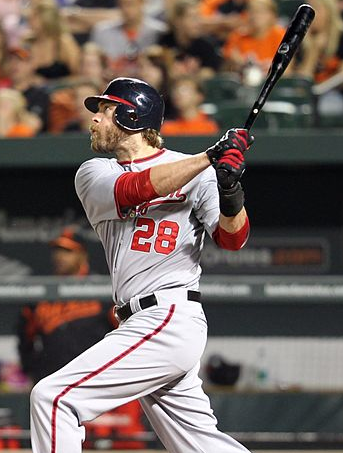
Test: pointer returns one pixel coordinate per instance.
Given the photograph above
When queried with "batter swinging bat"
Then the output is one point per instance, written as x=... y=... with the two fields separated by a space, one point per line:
x=294 y=34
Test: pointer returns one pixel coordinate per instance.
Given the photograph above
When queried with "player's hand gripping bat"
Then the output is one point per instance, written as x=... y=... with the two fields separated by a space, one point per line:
x=291 y=41
x=293 y=36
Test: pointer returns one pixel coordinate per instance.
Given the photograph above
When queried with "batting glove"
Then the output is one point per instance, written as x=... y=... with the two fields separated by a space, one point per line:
x=230 y=167
x=233 y=139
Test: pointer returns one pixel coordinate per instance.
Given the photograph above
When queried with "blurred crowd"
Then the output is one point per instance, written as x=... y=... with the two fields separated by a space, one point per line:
x=54 y=53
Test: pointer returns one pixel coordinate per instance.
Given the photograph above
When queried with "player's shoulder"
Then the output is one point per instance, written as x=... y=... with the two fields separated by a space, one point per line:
x=96 y=166
x=99 y=162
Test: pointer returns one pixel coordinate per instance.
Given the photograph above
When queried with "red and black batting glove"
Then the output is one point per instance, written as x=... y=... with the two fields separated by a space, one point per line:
x=236 y=138
x=228 y=160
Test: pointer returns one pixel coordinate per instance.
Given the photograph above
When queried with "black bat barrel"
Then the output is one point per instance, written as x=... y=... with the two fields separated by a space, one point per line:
x=295 y=33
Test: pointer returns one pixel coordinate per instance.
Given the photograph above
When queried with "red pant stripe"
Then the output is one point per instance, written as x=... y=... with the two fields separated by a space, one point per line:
x=100 y=370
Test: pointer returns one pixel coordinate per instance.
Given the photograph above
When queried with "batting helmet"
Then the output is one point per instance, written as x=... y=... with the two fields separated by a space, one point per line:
x=139 y=105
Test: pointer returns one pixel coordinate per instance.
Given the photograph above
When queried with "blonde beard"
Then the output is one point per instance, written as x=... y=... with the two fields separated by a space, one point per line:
x=107 y=141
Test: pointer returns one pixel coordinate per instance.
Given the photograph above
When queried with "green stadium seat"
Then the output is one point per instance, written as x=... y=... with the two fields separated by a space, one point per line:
x=274 y=115
x=290 y=104
x=221 y=87
x=295 y=89
x=234 y=114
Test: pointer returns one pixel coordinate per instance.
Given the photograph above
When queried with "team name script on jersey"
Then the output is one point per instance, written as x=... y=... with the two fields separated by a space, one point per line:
x=174 y=197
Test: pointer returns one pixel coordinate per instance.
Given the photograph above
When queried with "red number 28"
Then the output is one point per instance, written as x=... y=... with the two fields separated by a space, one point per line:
x=165 y=240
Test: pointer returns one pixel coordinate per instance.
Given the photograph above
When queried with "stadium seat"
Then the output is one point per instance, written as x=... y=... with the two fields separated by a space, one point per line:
x=234 y=113
x=290 y=104
x=221 y=87
x=295 y=89
x=274 y=115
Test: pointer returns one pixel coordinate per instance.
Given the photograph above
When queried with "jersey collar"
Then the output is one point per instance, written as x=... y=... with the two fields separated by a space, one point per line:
x=143 y=159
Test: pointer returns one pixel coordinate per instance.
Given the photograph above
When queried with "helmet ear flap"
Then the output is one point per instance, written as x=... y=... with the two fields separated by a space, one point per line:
x=125 y=116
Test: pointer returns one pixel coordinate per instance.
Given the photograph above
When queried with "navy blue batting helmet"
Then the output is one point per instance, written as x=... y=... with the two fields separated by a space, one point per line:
x=139 y=105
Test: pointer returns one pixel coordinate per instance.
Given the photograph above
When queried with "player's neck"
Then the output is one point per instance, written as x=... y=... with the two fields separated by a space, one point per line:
x=135 y=151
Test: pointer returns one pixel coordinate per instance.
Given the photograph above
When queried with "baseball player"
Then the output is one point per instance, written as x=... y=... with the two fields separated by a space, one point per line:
x=150 y=207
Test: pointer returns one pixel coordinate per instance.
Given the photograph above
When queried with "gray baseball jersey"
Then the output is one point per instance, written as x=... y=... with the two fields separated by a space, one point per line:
x=158 y=244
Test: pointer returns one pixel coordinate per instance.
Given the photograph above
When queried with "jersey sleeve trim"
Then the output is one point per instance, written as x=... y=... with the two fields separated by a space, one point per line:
x=232 y=241
x=122 y=215
x=122 y=212
x=132 y=189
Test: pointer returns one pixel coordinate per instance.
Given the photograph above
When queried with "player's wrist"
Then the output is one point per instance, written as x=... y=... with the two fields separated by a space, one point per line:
x=205 y=158
x=231 y=201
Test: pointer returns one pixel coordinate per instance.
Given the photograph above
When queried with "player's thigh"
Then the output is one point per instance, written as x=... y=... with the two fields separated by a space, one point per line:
x=128 y=363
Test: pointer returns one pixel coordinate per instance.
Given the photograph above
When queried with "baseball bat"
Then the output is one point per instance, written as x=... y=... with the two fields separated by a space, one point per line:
x=290 y=42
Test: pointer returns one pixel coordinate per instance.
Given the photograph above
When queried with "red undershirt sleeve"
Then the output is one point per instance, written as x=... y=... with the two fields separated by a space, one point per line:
x=231 y=241
x=133 y=188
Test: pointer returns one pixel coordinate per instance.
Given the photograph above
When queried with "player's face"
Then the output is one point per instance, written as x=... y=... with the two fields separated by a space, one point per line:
x=105 y=134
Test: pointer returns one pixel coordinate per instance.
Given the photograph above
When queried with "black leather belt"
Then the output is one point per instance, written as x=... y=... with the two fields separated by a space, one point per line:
x=124 y=312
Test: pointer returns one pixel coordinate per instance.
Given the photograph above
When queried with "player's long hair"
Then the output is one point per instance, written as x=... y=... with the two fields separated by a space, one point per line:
x=153 y=138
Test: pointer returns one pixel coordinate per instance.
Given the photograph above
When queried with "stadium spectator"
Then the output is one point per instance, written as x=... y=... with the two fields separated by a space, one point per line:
x=82 y=117
x=11 y=20
x=154 y=66
x=187 y=96
x=96 y=3
x=81 y=16
x=220 y=17
x=55 y=51
x=321 y=54
x=67 y=115
x=211 y=7
x=122 y=40
x=16 y=120
x=93 y=65
x=257 y=45
x=5 y=81
x=158 y=8
x=51 y=333
x=152 y=7
x=24 y=79
x=194 y=52
x=321 y=57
